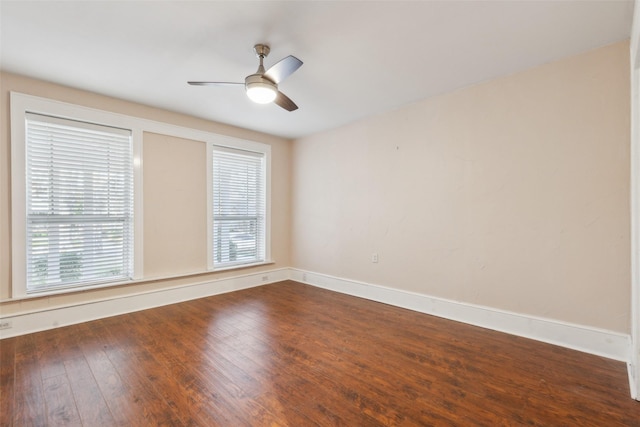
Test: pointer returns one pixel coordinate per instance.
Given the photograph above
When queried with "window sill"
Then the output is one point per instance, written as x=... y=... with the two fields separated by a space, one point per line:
x=241 y=266
x=89 y=288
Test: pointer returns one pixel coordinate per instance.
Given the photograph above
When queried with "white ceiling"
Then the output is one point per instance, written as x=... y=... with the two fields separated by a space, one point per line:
x=360 y=57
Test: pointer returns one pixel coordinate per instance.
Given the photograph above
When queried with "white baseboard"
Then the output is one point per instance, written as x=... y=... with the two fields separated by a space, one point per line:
x=633 y=386
x=26 y=323
x=604 y=343
x=600 y=342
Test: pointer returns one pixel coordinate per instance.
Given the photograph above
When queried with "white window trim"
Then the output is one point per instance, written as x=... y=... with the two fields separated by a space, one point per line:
x=247 y=146
x=634 y=362
x=21 y=103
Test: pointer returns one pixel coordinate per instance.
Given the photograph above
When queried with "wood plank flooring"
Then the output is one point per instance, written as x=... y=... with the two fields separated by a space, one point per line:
x=289 y=354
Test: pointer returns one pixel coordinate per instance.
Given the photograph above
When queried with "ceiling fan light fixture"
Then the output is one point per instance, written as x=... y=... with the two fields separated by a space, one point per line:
x=261 y=92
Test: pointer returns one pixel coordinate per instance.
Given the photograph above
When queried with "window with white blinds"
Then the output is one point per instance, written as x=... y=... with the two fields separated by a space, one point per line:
x=79 y=197
x=239 y=219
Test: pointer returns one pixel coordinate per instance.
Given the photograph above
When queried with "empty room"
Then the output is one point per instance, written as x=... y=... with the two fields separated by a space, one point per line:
x=320 y=213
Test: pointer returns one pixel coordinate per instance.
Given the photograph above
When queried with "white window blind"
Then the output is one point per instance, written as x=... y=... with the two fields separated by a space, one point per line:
x=79 y=203
x=238 y=207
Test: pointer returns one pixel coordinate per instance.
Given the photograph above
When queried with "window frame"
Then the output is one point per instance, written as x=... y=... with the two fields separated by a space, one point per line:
x=20 y=106
x=243 y=145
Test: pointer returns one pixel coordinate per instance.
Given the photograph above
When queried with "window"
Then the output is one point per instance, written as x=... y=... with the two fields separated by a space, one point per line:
x=239 y=208
x=75 y=197
x=79 y=203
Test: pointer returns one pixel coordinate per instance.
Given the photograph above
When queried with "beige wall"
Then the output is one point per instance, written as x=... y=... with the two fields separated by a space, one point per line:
x=512 y=194
x=175 y=192
x=174 y=180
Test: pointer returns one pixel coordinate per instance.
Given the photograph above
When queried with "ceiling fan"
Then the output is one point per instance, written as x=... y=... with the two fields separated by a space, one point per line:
x=262 y=86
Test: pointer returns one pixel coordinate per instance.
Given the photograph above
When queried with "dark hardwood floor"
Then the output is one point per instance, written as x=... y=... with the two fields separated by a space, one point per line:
x=288 y=354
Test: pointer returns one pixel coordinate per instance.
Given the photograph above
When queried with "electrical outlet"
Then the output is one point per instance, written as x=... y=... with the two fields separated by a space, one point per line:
x=265 y=278
x=5 y=324
x=374 y=258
